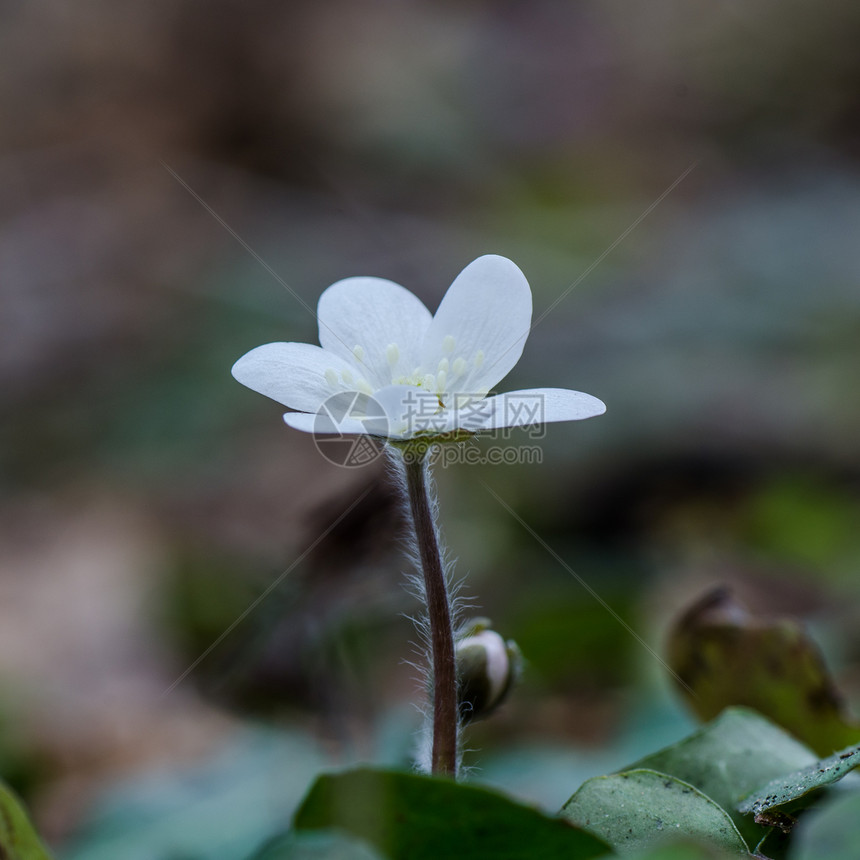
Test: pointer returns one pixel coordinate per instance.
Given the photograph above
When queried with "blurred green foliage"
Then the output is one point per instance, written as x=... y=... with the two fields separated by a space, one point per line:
x=724 y=655
x=830 y=830
x=804 y=523
x=18 y=839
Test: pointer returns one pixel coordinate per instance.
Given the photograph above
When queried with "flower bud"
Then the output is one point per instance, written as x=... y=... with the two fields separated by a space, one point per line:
x=487 y=667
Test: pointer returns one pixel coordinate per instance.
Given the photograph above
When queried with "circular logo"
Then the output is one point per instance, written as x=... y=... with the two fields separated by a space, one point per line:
x=335 y=428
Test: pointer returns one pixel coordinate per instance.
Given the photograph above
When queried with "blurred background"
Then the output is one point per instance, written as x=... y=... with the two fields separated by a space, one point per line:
x=691 y=169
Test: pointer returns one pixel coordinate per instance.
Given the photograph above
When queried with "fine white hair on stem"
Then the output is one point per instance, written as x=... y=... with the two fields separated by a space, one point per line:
x=415 y=585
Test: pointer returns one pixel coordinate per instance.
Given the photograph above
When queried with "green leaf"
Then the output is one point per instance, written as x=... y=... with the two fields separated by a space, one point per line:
x=730 y=757
x=18 y=839
x=794 y=786
x=410 y=817
x=683 y=850
x=727 y=656
x=829 y=831
x=636 y=808
x=316 y=845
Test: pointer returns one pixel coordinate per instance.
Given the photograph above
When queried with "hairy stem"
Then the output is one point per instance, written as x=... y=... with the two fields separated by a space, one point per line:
x=444 y=753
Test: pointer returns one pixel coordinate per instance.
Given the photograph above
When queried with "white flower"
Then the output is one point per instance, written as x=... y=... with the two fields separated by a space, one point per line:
x=400 y=372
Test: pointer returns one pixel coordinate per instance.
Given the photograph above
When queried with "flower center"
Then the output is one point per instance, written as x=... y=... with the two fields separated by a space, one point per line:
x=445 y=380
x=346 y=381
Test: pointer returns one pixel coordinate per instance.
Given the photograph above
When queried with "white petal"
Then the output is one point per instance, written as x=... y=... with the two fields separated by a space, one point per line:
x=535 y=406
x=321 y=424
x=344 y=413
x=484 y=319
x=291 y=373
x=413 y=411
x=373 y=313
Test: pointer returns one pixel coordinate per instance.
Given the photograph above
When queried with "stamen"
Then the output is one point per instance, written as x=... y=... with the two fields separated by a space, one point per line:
x=430 y=381
x=331 y=378
x=358 y=352
x=441 y=378
x=363 y=386
x=392 y=353
x=479 y=358
x=459 y=367
x=448 y=344
x=346 y=376
x=443 y=366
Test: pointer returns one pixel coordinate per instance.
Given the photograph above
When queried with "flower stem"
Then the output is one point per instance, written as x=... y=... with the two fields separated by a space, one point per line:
x=444 y=752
